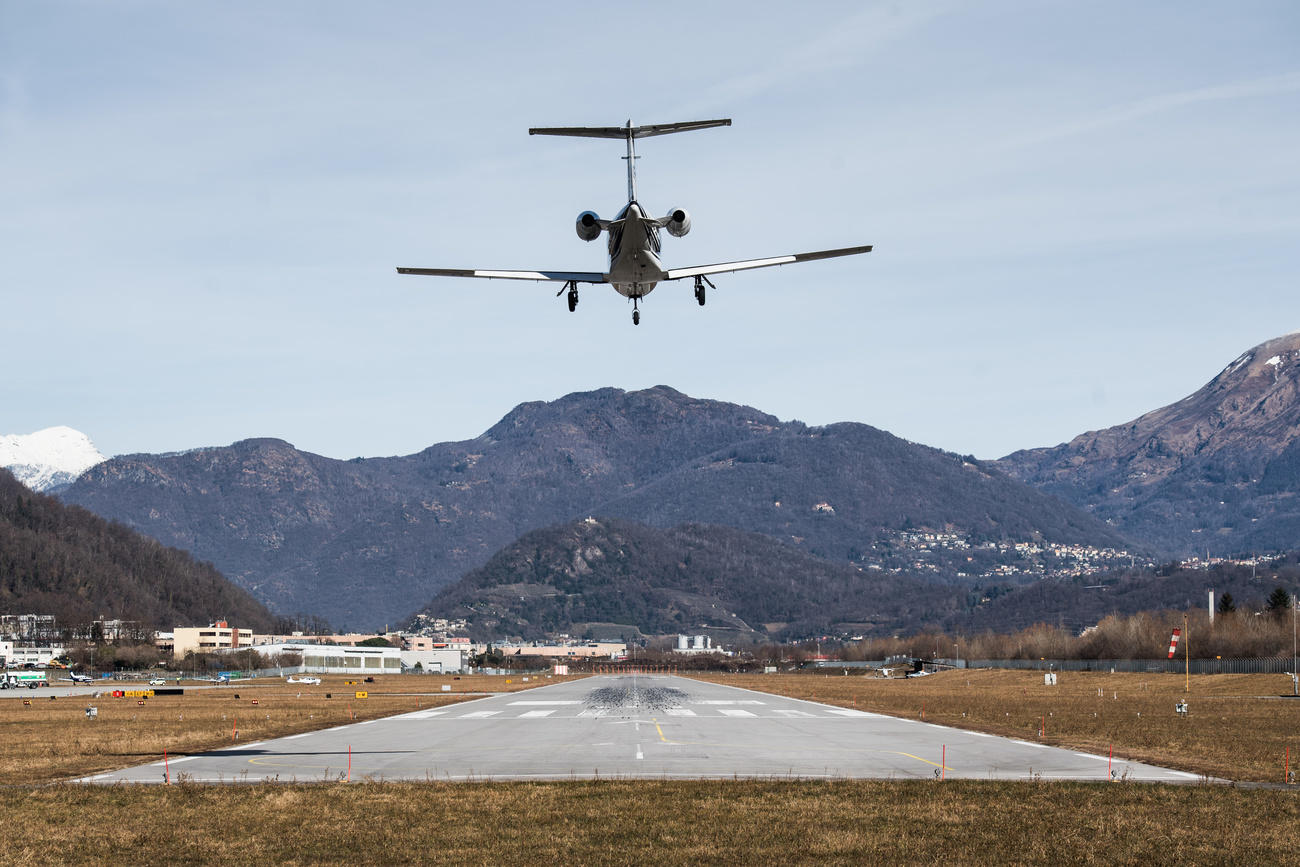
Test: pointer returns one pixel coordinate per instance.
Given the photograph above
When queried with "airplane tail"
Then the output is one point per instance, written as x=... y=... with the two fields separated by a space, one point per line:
x=629 y=133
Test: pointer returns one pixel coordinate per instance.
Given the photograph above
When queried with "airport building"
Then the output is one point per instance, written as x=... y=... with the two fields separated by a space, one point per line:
x=207 y=639
x=337 y=659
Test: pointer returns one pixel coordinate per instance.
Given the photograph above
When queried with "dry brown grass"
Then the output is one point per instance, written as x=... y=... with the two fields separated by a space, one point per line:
x=51 y=739
x=619 y=822
x=1237 y=727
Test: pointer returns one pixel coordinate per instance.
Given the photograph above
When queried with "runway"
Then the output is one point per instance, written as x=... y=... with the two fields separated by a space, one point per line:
x=640 y=726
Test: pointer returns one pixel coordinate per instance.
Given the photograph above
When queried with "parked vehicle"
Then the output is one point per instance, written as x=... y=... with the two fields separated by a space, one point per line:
x=29 y=679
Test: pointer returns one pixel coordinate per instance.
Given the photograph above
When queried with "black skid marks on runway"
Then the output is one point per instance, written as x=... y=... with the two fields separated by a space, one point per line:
x=647 y=697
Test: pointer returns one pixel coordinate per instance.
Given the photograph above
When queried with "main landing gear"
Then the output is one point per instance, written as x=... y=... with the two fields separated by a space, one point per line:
x=700 y=280
x=572 y=286
x=636 y=314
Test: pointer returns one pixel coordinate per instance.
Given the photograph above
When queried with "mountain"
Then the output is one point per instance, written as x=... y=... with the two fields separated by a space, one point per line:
x=50 y=459
x=368 y=541
x=1218 y=470
x=65 y=561
x=609 y=577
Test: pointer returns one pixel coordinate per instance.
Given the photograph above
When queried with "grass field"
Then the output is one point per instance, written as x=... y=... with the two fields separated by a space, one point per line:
x=747 y=822
x=1237 y=727
x=1231 y=731
x=46 y=735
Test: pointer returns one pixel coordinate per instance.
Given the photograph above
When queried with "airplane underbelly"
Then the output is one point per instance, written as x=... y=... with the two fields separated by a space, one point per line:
x=634 y=290
x=636 y=273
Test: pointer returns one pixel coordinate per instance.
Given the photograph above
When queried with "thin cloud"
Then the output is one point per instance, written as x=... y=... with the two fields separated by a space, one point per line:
x=1270 y=86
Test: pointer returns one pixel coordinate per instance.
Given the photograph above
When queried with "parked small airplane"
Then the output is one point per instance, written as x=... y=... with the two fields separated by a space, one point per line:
x=314 y=681
x=634 y=242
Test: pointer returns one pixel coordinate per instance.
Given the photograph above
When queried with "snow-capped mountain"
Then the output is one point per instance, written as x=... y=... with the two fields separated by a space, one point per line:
x=49 y=459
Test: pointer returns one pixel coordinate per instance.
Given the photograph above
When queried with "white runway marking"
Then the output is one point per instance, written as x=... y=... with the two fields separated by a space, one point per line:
x=535 y=714
x=594 y=713
x=844 y=711
x=727 y=701
x=479 y=714
x=731 y=711
x=575 y=701
x=680 y=711
x=422 y=714
x=787 y=712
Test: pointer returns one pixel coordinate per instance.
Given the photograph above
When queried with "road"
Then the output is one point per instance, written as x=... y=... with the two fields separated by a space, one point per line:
x=659 y=727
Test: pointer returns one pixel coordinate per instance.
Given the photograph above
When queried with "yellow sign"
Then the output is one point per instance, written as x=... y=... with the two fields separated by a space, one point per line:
x=350 y=682
x=363 y=695
x=139 y=693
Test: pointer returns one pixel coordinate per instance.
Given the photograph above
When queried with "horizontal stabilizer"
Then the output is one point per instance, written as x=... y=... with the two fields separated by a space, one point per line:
x=724 y=267
x=557 y=276
x=621 y=132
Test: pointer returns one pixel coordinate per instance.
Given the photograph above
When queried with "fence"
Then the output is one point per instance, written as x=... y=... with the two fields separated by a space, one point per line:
x=1257 y=665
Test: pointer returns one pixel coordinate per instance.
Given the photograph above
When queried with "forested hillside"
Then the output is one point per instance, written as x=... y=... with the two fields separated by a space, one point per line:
x=66 y=561
x=605 y=577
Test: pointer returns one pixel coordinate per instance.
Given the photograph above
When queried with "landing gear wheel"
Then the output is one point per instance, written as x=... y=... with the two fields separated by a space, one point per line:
x=636 y=317
x=700 y=281
x=573 y=301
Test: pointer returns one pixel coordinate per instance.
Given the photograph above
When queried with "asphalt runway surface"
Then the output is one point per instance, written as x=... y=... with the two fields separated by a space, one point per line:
x=640 y=726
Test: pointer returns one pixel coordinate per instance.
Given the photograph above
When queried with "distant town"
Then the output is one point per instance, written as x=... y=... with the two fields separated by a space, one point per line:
x=440 y=646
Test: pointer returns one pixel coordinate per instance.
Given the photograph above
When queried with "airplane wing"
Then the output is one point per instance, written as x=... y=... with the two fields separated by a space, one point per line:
x=557 y=276
x=724 y=267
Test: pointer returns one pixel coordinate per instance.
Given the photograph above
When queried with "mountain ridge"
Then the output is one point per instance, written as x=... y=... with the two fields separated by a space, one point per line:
x=1219 y=468
x=371 y=539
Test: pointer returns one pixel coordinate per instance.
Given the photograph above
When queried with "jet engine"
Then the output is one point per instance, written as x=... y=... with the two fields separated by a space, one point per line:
x=679 y=222
x=588 y=226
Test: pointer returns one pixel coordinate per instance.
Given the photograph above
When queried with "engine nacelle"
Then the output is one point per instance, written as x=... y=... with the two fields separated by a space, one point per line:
x=588 y=226
x=679 y=222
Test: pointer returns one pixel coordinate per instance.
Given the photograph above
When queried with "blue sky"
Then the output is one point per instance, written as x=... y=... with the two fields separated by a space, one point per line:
x=1081 y=212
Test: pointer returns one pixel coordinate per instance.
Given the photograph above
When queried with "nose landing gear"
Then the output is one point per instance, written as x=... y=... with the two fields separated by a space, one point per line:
x=636 y=314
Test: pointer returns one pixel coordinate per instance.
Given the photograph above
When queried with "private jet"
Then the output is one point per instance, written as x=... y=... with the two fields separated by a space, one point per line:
x=634 y=236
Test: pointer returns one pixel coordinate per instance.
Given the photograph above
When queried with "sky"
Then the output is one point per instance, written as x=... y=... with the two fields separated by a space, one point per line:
x=1081 y=211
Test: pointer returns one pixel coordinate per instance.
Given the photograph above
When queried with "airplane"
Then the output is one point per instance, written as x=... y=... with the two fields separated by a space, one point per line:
x=315 y=681
x=634 y=236
x=73 y=677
